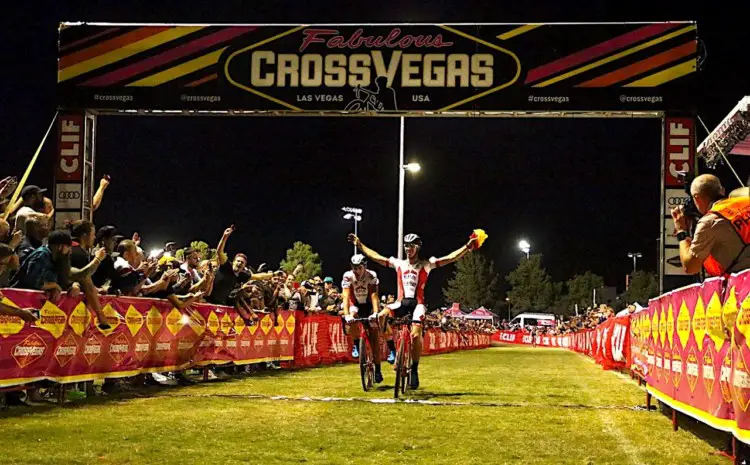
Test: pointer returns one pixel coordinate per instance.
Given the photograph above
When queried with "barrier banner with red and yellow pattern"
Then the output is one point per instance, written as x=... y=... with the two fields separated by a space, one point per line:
x=146 y=335
x=321 y=340
x=695 y=344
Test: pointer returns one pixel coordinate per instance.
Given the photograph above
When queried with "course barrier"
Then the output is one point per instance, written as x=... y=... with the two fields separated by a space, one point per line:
x=150 y=335
x=608 y=344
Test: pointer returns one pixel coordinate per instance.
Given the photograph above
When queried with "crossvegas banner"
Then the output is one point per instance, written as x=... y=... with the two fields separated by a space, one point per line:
x=321 y=340
x=146 y=335
x=377 y=68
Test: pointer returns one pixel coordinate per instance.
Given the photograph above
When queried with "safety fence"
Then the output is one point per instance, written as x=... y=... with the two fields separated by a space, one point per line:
x=149 y=335
x=608 y=344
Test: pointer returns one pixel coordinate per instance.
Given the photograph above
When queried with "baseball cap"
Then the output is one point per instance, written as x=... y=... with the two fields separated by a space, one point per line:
x=328 y=279
x=105 y=232
x=31 y=190
x=59 y=237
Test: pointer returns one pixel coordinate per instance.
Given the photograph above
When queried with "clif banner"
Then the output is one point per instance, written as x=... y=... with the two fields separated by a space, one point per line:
x=378 y=68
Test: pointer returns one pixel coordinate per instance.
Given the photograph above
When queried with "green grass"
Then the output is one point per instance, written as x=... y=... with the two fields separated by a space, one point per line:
x=547 y=415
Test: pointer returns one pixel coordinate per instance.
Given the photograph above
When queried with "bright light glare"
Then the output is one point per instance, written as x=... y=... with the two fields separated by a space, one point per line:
x=155 y=253
x=524 y=245
x=413 y=167
x=185 y=319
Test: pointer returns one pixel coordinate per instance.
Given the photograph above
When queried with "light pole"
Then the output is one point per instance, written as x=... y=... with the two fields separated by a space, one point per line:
x=635 y=256
x=356 y=215
x=525 y=247
x=412 y=168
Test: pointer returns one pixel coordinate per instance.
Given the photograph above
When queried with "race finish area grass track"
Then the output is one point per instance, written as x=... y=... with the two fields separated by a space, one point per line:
x=504 y=405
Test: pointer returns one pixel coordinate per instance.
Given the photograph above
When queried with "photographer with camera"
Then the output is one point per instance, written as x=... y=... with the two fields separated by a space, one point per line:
x=722 y=233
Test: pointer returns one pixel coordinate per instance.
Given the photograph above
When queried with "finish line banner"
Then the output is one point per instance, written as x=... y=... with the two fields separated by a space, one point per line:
x=147 y=335
x=378 y=68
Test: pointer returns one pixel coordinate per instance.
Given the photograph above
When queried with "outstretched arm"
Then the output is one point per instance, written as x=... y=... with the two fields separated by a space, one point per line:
x=455 y=255
x=371 y=254
x=220 y=255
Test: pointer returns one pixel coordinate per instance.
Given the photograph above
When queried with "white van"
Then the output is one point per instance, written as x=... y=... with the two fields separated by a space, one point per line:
x=534 y=319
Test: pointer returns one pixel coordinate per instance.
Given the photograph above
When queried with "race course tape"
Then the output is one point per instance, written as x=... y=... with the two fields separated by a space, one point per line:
x=407 y=401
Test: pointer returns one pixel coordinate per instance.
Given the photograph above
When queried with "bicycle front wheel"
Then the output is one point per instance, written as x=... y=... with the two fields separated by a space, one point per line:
x=363 y=365
x=399 y=365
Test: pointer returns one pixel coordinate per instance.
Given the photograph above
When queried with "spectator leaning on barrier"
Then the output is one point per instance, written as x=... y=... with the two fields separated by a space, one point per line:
x=722 y=234
x=105 y=239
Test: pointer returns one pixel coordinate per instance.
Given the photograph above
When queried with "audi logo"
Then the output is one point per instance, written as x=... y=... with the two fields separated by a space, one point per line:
x=674 y=201
x=68 y=195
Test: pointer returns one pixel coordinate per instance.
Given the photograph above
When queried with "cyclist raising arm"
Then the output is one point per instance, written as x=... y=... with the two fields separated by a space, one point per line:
x=412 y=276
x=360 y=285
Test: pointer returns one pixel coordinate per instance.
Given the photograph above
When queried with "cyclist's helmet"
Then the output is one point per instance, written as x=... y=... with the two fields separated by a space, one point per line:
x=413 y=239
x=358 y=259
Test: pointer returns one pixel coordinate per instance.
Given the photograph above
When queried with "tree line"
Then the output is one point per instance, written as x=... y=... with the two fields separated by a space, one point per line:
x=475 y=283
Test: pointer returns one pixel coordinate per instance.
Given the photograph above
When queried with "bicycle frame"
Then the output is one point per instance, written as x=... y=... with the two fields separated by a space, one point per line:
x=403 y=359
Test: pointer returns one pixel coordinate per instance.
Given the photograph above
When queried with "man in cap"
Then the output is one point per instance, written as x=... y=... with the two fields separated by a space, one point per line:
x=32 y=198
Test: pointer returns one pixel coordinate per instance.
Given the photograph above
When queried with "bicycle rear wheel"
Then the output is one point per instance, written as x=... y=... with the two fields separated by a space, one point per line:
x=363 y=365
x=406 y=369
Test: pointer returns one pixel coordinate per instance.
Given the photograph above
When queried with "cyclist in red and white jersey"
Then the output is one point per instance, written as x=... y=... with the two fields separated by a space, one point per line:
x=360 y=288
x=412 y=276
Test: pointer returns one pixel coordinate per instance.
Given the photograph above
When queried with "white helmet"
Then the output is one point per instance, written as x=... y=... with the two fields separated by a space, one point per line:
x=413 y=239
x=358 y=259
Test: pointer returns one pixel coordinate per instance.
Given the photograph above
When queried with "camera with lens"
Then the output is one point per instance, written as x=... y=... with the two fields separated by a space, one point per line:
x=689 y=209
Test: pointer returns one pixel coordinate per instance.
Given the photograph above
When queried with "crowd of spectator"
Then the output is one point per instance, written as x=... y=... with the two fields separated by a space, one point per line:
x=588 y=319
x=84 y=260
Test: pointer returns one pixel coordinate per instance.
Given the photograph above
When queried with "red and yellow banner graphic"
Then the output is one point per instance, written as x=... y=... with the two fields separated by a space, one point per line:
x=150 y=335
x=147 y=335
x=320 y=340
x=693 y=347
x=609 y=344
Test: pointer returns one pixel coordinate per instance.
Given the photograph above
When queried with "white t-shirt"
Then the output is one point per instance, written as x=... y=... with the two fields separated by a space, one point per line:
x=412 y=277
x=360 y=288
x=21 y=216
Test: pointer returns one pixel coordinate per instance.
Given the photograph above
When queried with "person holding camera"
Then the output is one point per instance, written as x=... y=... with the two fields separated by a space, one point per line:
x=722 y=234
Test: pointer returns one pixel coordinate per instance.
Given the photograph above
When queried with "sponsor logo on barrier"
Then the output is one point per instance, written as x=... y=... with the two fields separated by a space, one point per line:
x=226 y=324
x=133 y=320
x=142 y=346
x=338 y=341
x=79 y=319
x=725 y=378
x=309 y=338
x=66 y=350
x=29 y=350
x=239 y=325
x=163 y=346
x=52 y=319
x=113 y=318
x=692 y=369
x=676 y=368
x=185 y=345
x=213 y=323
x=92 y=349
x=259 y=342
x=246 y=341
x=10 y=325
x=154 y=320
x=741 y=381
x=266 y=324
x=290 y=323
x=174 y=321
x=119 y=347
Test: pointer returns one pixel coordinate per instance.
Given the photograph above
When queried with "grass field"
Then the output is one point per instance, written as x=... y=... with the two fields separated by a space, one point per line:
x=526 y=406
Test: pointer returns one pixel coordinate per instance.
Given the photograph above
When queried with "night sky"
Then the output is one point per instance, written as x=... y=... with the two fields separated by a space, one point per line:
x=584 y=192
